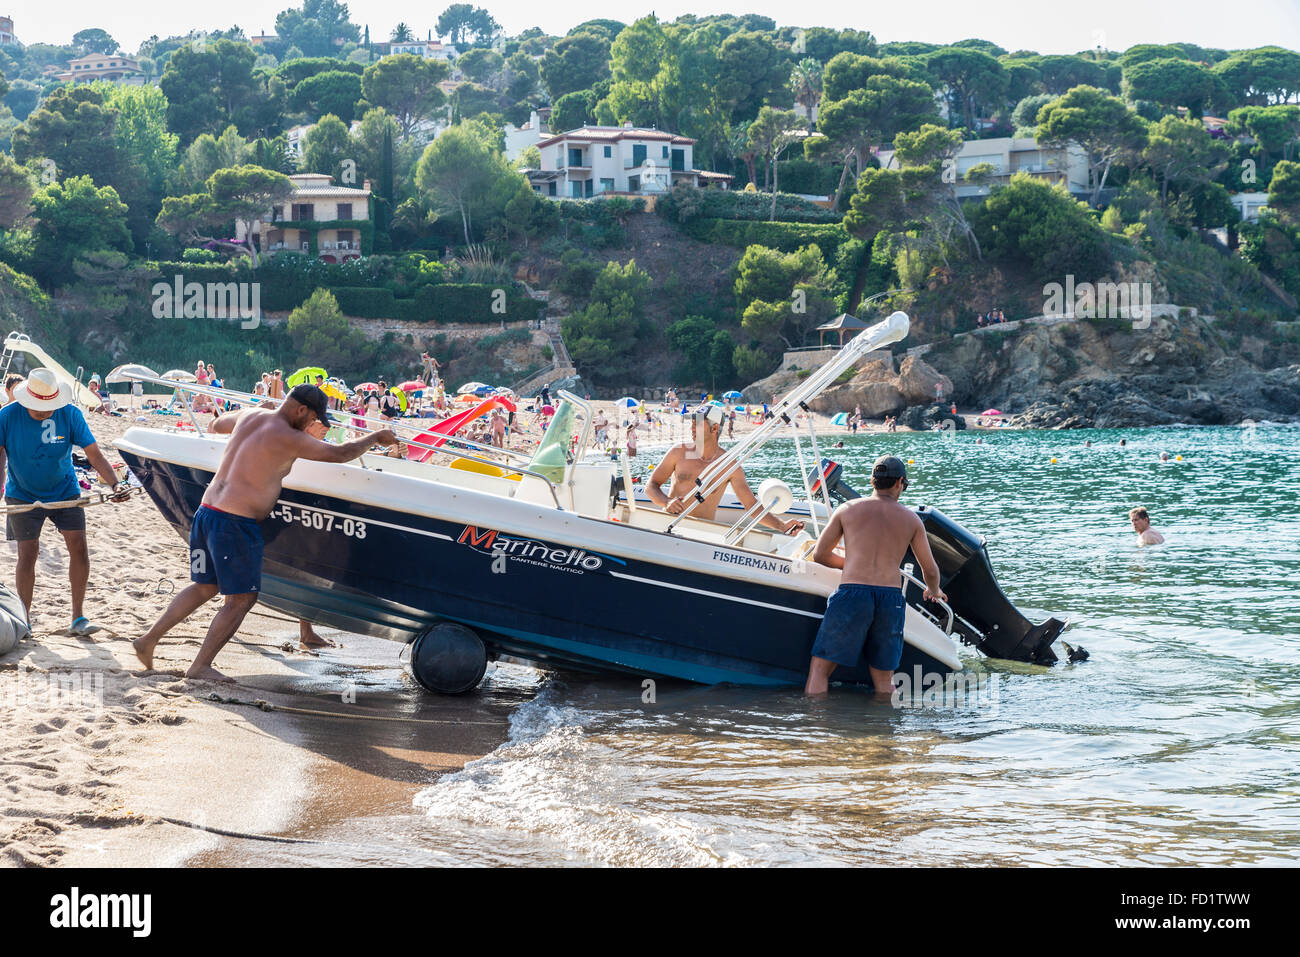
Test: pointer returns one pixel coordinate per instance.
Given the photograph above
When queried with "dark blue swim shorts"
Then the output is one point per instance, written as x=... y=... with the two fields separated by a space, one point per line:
x=226 y=550
x=858 y=615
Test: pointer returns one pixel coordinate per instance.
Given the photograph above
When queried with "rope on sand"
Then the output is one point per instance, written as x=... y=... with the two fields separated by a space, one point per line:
x=265 y=705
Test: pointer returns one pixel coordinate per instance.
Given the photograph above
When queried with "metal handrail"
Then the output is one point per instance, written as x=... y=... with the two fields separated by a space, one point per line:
x=916 y=581
x=245 y=398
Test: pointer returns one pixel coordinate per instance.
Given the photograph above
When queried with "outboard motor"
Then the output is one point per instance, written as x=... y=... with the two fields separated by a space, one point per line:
x=835 y=485
x=984 y=616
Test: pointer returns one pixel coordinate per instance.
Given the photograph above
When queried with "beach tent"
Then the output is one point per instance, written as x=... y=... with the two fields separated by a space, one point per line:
x=334 y=389
x=841 y=324
x=840 y=418
x=306 y=375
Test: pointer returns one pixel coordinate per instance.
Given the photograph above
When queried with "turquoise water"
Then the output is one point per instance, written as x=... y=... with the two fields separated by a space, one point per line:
x=1177 y=743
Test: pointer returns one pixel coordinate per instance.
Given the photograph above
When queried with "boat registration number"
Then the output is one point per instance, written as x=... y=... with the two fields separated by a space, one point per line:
x=319 y=520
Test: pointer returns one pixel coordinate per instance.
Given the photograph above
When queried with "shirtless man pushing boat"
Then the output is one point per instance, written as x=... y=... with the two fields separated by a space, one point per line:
x=225 y=540
x=686 y=461
x=868 y=608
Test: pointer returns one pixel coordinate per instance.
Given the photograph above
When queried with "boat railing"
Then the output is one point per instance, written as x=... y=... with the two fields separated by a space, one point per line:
x=345 y=420
x=942 y=604
x=718 y=473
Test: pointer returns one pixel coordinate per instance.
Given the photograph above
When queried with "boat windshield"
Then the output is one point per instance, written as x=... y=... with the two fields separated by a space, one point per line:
x=554 y=454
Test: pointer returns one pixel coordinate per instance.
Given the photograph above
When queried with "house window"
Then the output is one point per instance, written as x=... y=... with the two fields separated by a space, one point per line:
x=638 y=154
x=606 y=185
x=345 y=238
x=665 y=154
x=304 y=212
x=575 y=157
x=550 y=191
x=575 y=190
x=345 y=211
x=679 y=160
x=277 y=214
x=608 y=152
x=587 y=190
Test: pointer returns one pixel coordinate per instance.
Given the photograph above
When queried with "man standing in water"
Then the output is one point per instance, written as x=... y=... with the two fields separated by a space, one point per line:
x=225 y=540
x=1142 y=525
x=686 y=461
x=868 y=608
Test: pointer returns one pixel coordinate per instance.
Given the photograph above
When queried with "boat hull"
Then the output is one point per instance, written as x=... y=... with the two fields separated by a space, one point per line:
x=369 y=569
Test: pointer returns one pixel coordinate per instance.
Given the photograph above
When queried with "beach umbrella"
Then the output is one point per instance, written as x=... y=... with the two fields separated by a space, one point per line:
x=178 y=375
x=368 y=387
x=733 y=394
x=472 y=387
x=548 y=410
x=990 y=412
x=401 y=397
x=841 y=418
x=628 y=402
x=123 y=373
x=307 y=375
x=413 y=386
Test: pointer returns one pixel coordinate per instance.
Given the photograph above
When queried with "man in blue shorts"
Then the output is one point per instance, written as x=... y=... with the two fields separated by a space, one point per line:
x=37 y=432
x=226 y=537
x=864 y=617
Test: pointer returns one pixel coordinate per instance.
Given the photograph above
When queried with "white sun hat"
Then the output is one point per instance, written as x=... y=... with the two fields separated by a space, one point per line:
x=42 y=391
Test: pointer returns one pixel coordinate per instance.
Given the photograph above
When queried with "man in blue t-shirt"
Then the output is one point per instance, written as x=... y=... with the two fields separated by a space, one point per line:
x=37 y=432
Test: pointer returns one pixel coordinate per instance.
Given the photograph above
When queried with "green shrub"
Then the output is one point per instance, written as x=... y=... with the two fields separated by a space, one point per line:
x=787 y=237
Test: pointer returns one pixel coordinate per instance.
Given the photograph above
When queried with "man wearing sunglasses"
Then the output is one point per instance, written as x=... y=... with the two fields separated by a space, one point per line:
x=685 y=462
x=864 y=616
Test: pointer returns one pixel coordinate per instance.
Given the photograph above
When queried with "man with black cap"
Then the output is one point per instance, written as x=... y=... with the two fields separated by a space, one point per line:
x=864 y=617
x=225 y=538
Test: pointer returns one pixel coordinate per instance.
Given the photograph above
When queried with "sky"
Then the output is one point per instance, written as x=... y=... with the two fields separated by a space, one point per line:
x=1013 y=24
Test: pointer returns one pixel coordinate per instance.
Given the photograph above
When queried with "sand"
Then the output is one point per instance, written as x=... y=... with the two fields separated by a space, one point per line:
x=103 y=764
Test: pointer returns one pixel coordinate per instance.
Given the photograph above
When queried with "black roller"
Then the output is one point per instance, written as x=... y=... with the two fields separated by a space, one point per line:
x=448 y=659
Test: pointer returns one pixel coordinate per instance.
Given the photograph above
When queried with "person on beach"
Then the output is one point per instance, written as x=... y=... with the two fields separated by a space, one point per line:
x=866 y=612
x=308 y=640
x=12 y=381
x=631 y=441
x=1141 y=521
x=600 y=423
x=686 y=461
x=225 y=539
x=276 y=385
x=37 y=433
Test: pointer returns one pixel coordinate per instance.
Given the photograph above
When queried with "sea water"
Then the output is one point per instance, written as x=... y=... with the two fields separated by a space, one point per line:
x=1176 y=743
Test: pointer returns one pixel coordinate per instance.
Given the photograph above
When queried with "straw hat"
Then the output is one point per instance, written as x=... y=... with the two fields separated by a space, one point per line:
x=42 y=391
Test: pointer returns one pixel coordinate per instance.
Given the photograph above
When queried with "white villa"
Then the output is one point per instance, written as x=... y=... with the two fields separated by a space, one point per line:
x=1010 y=155
x=592 y=160
x=427 y=49
x=315 y=200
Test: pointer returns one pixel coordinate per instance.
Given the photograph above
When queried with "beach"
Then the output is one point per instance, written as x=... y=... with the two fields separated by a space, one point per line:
x=103 y=764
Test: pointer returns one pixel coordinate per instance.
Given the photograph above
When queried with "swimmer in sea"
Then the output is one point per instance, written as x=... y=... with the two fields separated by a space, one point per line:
x=1142 y=525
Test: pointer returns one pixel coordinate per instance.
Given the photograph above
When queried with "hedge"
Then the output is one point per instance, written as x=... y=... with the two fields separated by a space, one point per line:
x=287 y=285
x=786 y=237
x=450 y=302
x=743 y=205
